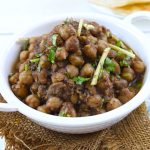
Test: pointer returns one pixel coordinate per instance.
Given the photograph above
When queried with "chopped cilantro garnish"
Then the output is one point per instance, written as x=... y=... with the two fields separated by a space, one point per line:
x=59 y=48
x=79 y=80
x=51 y=56
x=62 y=114
x=109 y=65
x=54 y=39
x=139 y=85
x=127 y=58
x=118 y=76
x=26 y=67
x=38 y=55
x=35 y=60
x=119 y=43
x=52 y=51
x=67 y=20
x=124 y=63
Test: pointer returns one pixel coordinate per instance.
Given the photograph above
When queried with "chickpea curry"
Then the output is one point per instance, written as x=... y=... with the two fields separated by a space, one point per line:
x=78 y=69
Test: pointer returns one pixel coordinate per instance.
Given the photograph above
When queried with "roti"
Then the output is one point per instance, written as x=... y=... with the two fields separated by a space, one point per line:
x=118 y=3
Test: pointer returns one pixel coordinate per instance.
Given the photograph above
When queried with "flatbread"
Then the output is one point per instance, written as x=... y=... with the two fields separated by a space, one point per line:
x=133 y=8
x=118 y=3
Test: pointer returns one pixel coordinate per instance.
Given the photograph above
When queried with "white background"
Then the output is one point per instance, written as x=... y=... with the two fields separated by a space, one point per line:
x=16 y=15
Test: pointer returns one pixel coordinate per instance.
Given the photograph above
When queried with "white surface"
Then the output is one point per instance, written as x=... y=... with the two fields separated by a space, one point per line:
x=16 y=15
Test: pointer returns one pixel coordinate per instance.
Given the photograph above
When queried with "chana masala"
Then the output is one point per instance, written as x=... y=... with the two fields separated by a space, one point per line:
x=78 y=69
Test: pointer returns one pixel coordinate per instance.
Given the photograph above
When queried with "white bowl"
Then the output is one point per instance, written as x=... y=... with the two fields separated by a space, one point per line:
x=134 y=38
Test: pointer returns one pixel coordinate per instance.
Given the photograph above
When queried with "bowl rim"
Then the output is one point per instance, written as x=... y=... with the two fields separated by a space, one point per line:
x=78 y=121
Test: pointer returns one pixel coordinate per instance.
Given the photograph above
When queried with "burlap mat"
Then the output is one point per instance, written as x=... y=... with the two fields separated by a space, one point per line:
x=133 y=133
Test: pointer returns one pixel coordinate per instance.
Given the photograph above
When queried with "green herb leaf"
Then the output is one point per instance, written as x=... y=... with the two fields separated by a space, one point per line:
x=67 y=20
x=118 y=76
x=35 y=60
x=26 y=67
x=38 y=55
x=127 y=58
x=119 y=43
x=124 y=63
x=62 y=114
x=139 y=85
x=120 y=54
x=109 y=65
x=54 y=39
x=51 y=56
x=79 y=80
x=59 y=48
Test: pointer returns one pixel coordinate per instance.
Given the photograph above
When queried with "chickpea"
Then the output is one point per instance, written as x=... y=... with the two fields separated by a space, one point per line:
x=68 y=110
x=87 y=70
x=94 y=101
x=31 y=48
x=104 y=83
x=74 y=98
x=101 y=46
x=42 y=76
x=84 y=109
x=101 y=111
x=138 y=66
x=35 y=76
x=31 y=55
x=91 y=89
x=57 y=77
x=24 y=56
x=112 y=54
x=91 y=39
x=120 y=84
x=34 y=88
x=76 y=60
x=41 y=91
x=103 y=37
x=90 y=51
x=33 y=40
x=25 y=77
x=21 y=67
x=72 y=44
x=43 y=109
x=125 y=95
x=108 y=93
x=32 y=101
x=42 y=45
x=54 y=103
x=113 y=104
x=61 y=54
x=59 y=41
x=96 y=30
x=128 y=74
x=44 y=63
x=20 y=90
x=72 y=71
x=66 y=31
x=117 y=67
x=14 y=78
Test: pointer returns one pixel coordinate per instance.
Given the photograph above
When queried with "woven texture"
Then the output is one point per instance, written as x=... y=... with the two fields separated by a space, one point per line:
x=133 y=133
